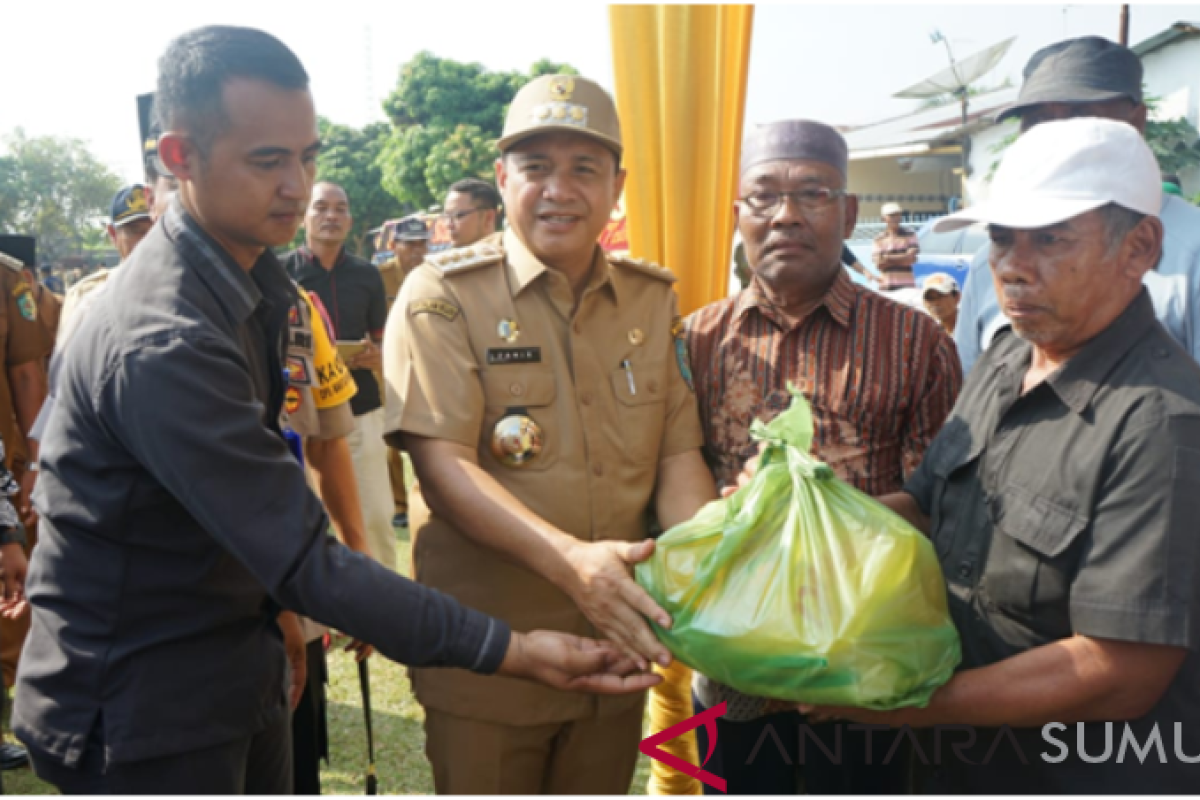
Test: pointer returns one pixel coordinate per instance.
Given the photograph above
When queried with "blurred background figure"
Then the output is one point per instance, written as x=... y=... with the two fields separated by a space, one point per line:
x=895 y=251
x=471 y=211
x=940 y=296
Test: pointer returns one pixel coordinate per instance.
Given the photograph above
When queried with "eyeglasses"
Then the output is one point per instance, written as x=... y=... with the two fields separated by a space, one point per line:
x=459 y=216
x=766 y=204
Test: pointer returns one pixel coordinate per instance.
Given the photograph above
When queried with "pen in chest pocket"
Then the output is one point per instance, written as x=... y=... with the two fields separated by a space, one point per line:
x=629 y=374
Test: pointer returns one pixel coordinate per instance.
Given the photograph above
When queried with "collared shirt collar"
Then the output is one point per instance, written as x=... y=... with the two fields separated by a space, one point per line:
x=524 y=267
x=311 y=262
x=1077 y=381
x=838 y=301
x=239 y=290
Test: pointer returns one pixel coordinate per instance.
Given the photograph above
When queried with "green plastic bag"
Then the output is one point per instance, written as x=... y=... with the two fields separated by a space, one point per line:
x=800 y=587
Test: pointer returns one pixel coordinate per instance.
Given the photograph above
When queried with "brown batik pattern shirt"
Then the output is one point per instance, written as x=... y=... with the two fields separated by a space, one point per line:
x=881 y=378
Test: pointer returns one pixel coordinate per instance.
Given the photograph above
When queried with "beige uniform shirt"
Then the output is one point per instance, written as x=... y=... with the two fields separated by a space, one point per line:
x=604 y=385
x=79 y=298
x=22 y=339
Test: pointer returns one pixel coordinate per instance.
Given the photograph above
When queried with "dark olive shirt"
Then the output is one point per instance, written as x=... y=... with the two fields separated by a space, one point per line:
x=1074 y=509
x=175 y=522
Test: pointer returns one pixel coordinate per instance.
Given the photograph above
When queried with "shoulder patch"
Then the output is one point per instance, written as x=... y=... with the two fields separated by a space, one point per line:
x=643 y=266
x=10 y=262
x=465 y=259
x=443 y=308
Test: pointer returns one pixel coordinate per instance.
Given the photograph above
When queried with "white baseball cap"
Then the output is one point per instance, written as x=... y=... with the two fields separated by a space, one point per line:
x=1059 y=170
x=940 y=283
x=889 y=209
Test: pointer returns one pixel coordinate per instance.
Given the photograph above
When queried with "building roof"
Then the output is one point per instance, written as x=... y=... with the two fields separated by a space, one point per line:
x=927 y=130
x=1177 y=31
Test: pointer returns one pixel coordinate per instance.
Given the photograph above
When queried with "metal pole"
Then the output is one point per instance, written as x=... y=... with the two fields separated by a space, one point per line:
x=966 y=145
x=1124 y=33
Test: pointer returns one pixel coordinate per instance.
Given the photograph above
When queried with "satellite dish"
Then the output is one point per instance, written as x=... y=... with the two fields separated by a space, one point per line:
x=955 y=80
x=958 y=76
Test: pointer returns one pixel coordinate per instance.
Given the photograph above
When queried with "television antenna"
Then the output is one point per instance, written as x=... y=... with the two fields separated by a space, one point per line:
x=956 y=80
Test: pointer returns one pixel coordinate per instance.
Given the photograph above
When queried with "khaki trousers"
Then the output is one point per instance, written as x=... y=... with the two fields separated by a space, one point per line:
x=585 y=756
x=369 y=453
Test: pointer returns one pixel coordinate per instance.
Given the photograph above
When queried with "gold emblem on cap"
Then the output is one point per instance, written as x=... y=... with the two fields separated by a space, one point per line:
x=636 y=337
x=577 y=113
x=562 y=87
x=516 y=440
x=509 y=330
x=543 y=112
x=559 y=112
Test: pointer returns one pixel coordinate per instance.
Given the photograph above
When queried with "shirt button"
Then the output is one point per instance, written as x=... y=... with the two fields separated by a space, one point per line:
x=653 y=385
x=597 y=470
x=577 y=328
x=964 y=569
x=516 y=390
x=586 y=398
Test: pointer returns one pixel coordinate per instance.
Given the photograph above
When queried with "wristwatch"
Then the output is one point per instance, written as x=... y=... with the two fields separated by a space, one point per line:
x=13 y=536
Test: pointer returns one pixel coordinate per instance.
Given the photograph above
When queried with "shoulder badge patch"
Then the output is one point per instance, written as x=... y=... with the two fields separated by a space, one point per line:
x=465 y=259
x=25 y=302
x=644 y=267
x=442 y=308
x=8 y=261
x=681 y=352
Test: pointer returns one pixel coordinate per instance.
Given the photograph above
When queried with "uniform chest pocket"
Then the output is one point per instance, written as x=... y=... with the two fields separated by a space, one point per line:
x=515 y=393
x=1033 y=557
x=641 y=393
x=954 y=452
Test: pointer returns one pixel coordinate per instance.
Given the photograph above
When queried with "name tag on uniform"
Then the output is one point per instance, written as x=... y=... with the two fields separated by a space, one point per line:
x=514 y=355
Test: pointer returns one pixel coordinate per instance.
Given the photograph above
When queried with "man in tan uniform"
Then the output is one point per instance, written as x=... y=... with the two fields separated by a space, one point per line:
x=25 y=345
x=539 y=387
x=410 y=245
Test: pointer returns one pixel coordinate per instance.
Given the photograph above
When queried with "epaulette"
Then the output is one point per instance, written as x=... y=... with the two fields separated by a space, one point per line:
x=11 y=263
x=643 y=266
x=464 y=259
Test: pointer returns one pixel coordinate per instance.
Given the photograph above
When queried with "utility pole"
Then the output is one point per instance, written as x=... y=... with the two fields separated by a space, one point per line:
x=1123 y=38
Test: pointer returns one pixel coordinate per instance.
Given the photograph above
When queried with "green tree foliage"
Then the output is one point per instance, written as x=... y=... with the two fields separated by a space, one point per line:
x=55 y=189
x=1175 y=143
x=446 y=116
x=351 y=158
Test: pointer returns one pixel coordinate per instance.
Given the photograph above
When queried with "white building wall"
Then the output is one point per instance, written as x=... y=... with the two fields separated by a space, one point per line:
x=983 y=144
x=1172 y=74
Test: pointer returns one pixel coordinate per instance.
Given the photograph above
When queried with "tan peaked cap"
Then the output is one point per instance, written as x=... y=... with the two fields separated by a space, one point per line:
x=562 y=103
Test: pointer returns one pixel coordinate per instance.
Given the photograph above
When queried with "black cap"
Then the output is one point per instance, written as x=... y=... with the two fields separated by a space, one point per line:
x=22 y=248
x=410 y=229
x=1090 y=69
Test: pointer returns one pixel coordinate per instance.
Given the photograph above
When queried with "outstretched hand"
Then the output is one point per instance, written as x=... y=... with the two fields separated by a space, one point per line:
x=573 y=663
x=611 y=599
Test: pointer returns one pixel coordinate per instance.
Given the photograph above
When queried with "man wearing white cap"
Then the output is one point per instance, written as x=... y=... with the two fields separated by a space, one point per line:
x=895 y=250
x=1093 y=77
x=939 y=293
x=1062 y=494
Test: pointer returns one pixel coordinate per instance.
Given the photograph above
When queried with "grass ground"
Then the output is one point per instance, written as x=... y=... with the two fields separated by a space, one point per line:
x=397 y=718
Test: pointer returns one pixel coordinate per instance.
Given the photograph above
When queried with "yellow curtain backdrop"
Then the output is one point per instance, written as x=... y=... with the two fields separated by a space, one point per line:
x=681 y=92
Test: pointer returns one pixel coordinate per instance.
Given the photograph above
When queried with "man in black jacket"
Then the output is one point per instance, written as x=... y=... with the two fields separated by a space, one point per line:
x=177 y=523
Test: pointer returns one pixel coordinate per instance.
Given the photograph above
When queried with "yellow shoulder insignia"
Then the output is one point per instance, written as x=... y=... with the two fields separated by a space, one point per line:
x=643 y=266
x=465 y=259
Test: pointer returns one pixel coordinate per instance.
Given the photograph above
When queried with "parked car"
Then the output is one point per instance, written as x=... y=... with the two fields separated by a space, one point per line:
x=948 y=252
